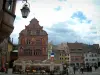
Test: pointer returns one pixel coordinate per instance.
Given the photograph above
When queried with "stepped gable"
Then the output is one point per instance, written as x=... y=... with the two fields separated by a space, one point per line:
x=34 y=24
x=22 y=32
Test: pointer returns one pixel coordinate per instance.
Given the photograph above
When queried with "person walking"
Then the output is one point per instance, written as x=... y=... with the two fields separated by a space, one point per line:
x=82 y=69
x=74 y=69
x=70 y=70
x=67 y=72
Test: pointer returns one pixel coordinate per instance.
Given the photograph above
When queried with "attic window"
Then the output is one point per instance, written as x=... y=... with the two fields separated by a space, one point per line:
x=72 y=49
x=29 y=32
x=38 y=32
x=79 y=49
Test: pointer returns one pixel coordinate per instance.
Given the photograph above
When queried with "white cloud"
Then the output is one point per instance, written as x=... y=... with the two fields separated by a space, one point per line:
x=44 y=11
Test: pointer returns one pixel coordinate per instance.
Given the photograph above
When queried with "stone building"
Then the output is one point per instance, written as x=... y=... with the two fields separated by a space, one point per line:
x=76 y=53
x=33 y=42
x=91 y=56
x=61 y=53
x=3 y=52
x=7 y=17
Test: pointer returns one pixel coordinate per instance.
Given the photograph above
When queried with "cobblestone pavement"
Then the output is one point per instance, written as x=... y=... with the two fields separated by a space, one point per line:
x=97 y=72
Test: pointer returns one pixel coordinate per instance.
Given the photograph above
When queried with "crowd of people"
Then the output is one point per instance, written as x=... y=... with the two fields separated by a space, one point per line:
x=69 y=69
x=81 y=69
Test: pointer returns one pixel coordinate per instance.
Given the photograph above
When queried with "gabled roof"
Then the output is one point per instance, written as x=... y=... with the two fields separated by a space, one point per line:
x=75 y=45
x=61 y=47
x=89 y=48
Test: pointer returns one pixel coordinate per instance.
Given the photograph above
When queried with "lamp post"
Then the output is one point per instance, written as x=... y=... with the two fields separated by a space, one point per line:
x=25 y=10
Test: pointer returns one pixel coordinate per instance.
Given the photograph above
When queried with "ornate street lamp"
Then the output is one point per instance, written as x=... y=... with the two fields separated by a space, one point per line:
x=25 y=10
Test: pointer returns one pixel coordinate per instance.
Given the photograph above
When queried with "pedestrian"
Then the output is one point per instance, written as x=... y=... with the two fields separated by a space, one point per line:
x=90 y=68
x=70 y=70
x=87 y=68
x=82 y=69
x=74 y=69
x=93 y=68
x=67 y=71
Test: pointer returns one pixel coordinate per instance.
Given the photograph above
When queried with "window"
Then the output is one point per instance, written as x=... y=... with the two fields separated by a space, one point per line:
x=29 y=32
x=38 y=32
x=38 y=42
x=86 y=59
x=28 y=41
x=9 y=5
x=86 y=55
x=93 y=59
x=28 y=52
x=79 y=49
x=72 y=59
x=60 y=54
x=72 y=49
x=37 y=52
x=95 y=55
x=76 y=59
x=92 y=55
x=98 y=59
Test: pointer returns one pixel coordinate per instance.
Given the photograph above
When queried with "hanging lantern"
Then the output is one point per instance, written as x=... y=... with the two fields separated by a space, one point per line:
x=25 y=11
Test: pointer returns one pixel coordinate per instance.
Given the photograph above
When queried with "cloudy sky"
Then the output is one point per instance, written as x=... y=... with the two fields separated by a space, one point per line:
x=64 y=20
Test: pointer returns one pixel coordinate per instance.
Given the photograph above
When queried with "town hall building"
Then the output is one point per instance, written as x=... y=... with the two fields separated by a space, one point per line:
x=33 y=42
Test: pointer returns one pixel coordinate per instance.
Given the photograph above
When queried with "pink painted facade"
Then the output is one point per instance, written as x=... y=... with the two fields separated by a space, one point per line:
x=33 y=42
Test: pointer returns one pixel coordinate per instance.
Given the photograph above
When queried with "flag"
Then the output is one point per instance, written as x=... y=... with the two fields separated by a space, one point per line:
x=52 y=56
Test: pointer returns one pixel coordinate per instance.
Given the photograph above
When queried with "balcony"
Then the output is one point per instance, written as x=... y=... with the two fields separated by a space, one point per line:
x=6 y=24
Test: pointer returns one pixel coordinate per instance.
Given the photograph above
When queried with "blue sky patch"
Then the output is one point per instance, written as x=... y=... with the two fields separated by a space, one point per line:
x=79 y=15
x=89 y=21
x=58 y=8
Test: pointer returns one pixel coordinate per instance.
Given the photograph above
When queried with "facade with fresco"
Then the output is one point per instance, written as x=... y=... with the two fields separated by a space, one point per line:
x=33 y=42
